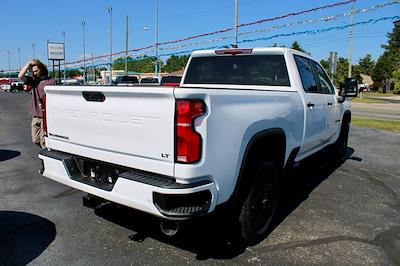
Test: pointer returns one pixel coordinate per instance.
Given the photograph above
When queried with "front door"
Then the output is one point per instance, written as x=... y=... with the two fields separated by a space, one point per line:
x=315 y=105
x=333 y=107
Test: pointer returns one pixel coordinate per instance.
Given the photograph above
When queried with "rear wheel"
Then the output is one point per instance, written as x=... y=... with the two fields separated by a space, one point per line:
x=259 y=204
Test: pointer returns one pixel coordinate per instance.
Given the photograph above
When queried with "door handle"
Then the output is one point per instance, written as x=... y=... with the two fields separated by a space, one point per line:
x=93 y=96
x=329 y=104
x=310 y=105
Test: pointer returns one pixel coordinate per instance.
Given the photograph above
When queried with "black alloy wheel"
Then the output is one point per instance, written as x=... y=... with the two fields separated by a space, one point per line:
x=260 y=203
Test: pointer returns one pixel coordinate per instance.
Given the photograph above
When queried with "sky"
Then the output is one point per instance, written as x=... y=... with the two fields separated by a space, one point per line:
x=26 y=22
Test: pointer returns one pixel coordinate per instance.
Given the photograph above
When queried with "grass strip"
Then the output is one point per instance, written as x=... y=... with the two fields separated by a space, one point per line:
x=390 y=125
x=365 y=100
x=377 y=94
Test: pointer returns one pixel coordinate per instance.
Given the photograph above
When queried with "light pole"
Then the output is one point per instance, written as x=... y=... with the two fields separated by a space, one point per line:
x=109 y=10
x=9 y=64
x=126 y=43
x=33 y=51
x=19 y=58
x=63 y=34
x=48 y=60
x=236 y=24
x=156 y=44
x=83 y=23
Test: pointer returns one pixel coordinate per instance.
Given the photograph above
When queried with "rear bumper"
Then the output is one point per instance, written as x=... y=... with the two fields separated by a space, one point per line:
x=152 y=193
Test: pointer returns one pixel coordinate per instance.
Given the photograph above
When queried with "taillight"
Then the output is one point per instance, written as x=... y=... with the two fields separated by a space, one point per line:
x=188 y=141
x=44 y=121
x=170 y=84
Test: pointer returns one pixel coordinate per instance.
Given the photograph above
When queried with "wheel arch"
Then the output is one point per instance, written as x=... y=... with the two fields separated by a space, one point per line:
x=266 y=145
x=346 y=117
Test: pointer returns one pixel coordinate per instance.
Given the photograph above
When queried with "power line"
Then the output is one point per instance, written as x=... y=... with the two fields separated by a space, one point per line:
x=137 y=50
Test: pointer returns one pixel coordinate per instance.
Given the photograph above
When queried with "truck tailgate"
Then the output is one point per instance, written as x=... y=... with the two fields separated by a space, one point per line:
x=129 y=126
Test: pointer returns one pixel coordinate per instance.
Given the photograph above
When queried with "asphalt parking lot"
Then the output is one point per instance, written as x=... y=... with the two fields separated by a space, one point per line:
x=344 y=215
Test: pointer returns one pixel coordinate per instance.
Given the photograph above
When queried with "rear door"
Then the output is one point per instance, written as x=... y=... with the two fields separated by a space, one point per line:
x=128 y=126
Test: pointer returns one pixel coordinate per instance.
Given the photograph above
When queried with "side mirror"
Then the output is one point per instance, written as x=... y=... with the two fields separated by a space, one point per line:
x=341 y=96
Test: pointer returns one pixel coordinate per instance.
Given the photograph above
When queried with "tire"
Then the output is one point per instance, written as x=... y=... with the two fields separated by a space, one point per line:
x=259 y=204
x=339 y=148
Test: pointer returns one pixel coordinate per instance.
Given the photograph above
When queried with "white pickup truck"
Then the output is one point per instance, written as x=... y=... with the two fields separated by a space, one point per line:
x=223 y=137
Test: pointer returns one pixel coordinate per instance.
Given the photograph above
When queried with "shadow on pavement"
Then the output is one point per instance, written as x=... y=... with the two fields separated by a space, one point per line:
x=213 y=236
x=8 y=154
x=301 y=180
x=23 y=237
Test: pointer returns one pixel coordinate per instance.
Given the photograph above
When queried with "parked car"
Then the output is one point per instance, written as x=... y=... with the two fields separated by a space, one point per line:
x=5 y=87
x=17 y=86
x=5 y=81
x=149 y=81
x=5 y=84
x=71 y=81
x=126 y=80
x=364 y=89
x=170 y=81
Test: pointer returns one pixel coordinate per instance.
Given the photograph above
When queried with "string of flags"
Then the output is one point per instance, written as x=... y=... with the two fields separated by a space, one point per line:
x=139 y=53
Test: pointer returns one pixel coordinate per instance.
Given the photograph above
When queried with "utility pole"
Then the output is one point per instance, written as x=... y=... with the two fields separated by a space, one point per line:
x=19 y=58
x=48 y=60
x=126 y=45
x=83 y=23
x=236 y=24
x=63 y=34
x=33 y=51
x=350 y=43
x=109 y=10
x=156 y=44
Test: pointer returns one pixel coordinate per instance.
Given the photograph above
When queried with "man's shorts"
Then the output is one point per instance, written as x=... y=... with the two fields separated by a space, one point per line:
x=37 y=131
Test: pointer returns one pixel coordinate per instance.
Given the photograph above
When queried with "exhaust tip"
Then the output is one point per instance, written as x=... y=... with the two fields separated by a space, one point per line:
x=169 y=228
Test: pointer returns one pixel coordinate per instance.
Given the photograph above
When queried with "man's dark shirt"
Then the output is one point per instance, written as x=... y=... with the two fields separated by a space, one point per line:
x=37 y=93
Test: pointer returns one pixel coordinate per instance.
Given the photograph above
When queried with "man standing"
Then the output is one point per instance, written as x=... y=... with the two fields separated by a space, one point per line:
x=38 y=81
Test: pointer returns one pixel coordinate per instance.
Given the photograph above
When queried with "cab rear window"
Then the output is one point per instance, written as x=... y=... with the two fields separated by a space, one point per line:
x=266 y=70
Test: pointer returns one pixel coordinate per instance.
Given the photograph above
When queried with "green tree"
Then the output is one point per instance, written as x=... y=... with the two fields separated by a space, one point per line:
x=396 y=76
x=341 y=71
x=389 y=61
x=175 y=62
x=384 y=67
x=143 y=65
x=325 y=64
x=296 y=46
x=366 y=65
x=72 y=73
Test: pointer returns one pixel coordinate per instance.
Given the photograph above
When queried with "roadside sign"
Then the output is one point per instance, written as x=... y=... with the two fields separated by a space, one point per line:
x=55 y=51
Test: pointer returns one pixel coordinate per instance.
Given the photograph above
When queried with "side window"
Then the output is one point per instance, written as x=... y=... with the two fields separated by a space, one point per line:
x=306 y=74
x=326 y=85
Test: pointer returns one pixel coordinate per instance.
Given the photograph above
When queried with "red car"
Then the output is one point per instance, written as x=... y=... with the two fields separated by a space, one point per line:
x=5 y=81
